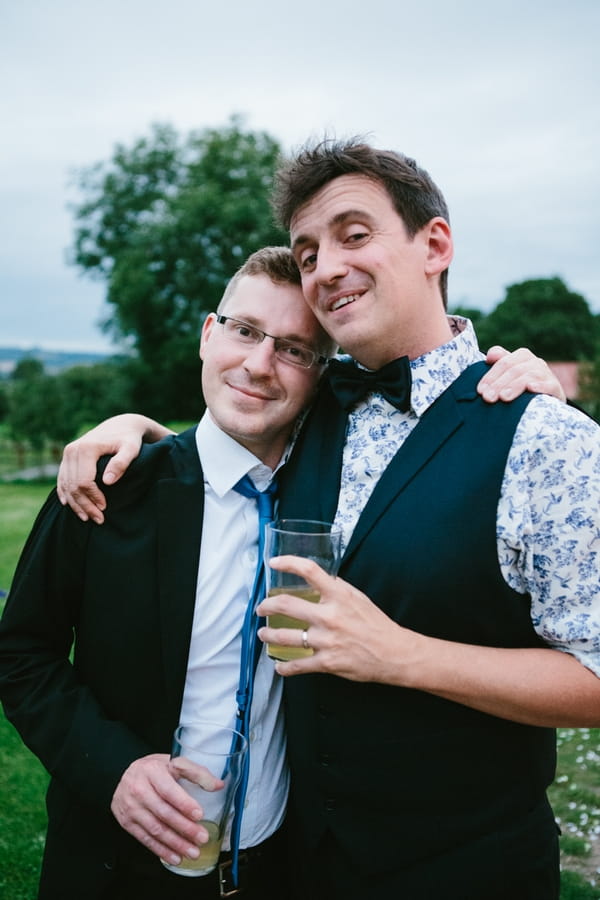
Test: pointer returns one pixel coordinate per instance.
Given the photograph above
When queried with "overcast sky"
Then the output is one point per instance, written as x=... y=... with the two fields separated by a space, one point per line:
x=499 y=101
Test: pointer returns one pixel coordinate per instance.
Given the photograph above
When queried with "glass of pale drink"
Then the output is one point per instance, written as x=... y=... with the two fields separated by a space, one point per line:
x=207 y=761
x=319 y=541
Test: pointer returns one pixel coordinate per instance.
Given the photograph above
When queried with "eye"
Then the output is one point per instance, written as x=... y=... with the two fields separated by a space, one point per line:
x=307 y=261
x=357 y=237
x=296 y=353
x=245 y=332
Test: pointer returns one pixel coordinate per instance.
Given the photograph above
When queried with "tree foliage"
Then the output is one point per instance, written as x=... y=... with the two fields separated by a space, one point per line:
x=45 y=408
x=166 y=222
x=545 y=316
x=33 y=403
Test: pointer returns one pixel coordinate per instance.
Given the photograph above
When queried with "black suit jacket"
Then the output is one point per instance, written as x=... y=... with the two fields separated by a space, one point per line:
x=126 y=593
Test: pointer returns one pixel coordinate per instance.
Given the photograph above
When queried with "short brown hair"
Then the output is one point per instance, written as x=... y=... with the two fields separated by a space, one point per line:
x=414 y=195
x=277 y=263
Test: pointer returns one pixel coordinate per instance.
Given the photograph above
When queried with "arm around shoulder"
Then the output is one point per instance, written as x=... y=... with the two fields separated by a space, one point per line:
x=121 y=438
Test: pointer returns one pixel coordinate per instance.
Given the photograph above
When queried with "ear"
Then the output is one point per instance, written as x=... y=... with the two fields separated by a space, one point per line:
x=440 y=248
x=208 y=326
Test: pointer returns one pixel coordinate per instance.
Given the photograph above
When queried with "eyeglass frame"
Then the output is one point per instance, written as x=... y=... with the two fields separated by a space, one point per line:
x=279 y=342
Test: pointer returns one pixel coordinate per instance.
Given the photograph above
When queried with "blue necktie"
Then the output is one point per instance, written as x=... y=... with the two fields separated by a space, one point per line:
x=251 y=648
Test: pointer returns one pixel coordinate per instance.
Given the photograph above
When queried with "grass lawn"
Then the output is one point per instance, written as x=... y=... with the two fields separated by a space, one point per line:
x=575 y=795
x=23 y=780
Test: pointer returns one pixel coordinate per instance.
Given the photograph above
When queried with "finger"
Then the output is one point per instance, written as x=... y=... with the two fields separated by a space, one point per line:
x=181 y=767
x=510 y=374
x=90 y=500
x=164 y=841
x=176 y=822
x=119 y=463
x=551 y=386
x=495 y=353
x=159 y=813
x=303 y=666
x=285 y=637
x=87 y=503
x=305 y=568
x=519 y=371
x=501 y=366
x=76 y=485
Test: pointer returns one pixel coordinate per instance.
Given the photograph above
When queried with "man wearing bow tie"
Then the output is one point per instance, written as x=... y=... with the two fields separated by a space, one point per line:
x=420 y=730
x=465 y=622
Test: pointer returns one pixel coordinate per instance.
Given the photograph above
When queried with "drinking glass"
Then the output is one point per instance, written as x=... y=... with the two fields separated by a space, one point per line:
x=319 y=541
x=207 y=760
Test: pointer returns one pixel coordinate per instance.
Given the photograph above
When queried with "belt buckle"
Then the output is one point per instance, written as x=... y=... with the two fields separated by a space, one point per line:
x=226 y=885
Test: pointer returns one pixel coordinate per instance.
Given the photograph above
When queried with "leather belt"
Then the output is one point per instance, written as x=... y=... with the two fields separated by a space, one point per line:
x=248 y=859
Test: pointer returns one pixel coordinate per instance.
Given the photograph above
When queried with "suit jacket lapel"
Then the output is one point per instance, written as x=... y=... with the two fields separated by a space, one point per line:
x=180 y=513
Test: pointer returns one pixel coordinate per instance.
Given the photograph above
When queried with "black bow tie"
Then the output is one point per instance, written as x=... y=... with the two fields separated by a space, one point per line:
x=351 y=384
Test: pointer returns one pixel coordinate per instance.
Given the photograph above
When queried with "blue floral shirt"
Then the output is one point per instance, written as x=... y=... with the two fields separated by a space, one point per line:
x=548 y=522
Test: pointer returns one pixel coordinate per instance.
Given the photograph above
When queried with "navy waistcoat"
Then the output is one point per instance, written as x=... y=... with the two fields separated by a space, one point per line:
x=399 y=776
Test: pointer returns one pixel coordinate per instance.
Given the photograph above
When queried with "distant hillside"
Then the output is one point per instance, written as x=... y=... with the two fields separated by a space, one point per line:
x=53 y=360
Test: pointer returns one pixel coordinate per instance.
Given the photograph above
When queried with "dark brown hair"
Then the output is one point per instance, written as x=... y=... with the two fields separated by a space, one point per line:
x=414 y=195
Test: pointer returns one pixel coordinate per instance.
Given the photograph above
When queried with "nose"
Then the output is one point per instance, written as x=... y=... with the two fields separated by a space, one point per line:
x=260 y=358
x=330 y=264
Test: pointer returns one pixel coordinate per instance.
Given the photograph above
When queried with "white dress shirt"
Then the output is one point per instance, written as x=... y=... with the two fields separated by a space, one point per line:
x=227 y=566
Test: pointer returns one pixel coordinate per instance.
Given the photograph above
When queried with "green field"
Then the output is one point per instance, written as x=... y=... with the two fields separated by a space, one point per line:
x=22 y=778
x=575 y=794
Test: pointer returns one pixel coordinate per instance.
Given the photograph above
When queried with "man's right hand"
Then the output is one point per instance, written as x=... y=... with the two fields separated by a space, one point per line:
x=150 y=805
x=120 y=437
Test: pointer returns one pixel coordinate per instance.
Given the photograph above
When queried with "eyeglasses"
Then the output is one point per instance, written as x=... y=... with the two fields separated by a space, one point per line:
x=286 y=351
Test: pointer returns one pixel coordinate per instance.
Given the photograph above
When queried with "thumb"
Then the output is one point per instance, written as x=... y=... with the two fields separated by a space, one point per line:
x=120 y=462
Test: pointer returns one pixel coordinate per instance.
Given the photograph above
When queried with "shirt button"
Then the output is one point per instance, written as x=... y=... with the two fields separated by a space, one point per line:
x=325 y=759
x=323 y=711
x=330 y=804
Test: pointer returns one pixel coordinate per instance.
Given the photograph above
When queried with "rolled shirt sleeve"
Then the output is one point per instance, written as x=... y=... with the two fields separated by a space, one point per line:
x=548 y=525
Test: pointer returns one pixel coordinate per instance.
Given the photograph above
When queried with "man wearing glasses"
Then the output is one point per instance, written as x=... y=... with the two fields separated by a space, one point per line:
x=157 y=597
x=156 y=600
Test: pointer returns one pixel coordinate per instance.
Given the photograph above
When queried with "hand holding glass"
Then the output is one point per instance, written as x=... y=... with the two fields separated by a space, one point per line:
x=319 y=541
x=207 y=760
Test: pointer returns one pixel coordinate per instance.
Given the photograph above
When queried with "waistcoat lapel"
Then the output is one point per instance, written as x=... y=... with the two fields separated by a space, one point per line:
x=310 y=482
x=436 y=426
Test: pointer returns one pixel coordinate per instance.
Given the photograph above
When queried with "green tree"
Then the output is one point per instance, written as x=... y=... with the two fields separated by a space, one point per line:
x=53 y=409
x=33 y=403
x=3 y=401
x=27 y=369
x=544 y=315
x=88 y=394
x=166 y=223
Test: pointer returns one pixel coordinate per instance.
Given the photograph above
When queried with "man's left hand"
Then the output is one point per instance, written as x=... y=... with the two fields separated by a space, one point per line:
x=513 y=373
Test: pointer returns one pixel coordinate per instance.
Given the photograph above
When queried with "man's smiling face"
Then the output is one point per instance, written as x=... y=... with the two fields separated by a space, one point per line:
x=251 y=394
x=365 y=279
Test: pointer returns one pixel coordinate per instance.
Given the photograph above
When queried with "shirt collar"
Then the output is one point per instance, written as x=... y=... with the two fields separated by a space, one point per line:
x=224 y=461
x=434 y=371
